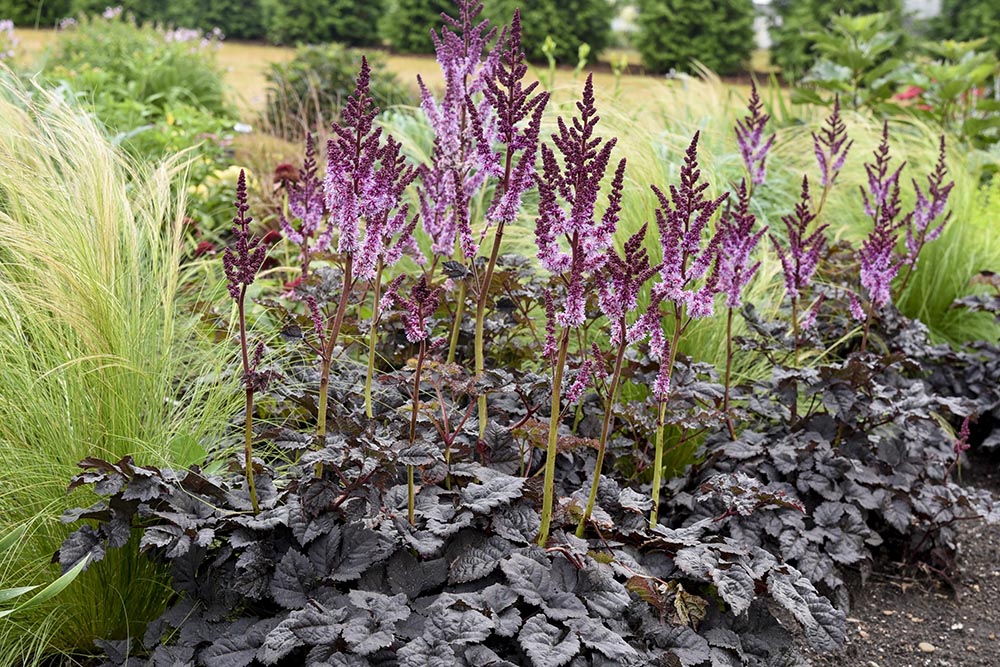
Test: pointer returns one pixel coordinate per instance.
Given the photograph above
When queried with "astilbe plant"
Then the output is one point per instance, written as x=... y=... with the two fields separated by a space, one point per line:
x=306 y=203
x=830 y=146
x=455 y=175
x=418 y=307
x=364 y=183
x=517 y=113
x=689 y=280
x=800 y=259
x=750 y=139
x=577 y=182
x=929 y=208
x=736 y=229
x=241 y=262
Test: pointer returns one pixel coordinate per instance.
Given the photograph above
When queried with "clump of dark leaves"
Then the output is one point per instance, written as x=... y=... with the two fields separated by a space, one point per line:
x=331 y=573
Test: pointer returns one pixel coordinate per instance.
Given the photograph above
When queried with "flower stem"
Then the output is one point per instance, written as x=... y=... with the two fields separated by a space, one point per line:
x=410 y=486
x=248 y=419
x=551 y=450
x=868 y=324
x=729 y=370
x=658 y=463
x=327 y=358
x=605 y=430
x=371 y=341
x=457 y=325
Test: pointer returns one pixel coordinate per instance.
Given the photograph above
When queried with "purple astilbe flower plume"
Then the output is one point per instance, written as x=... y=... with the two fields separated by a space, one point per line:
x=454 y=175
x=682 y=219
x=421 y=303
x=365 y=180
x=245 y=256
x=800 y=259
x=962 y=441
x=621 y=281
x=831 y=146
x=928 y=208
x=306 y=203
x=578 y=183
x=879 y=264
x=750 y=138
x=512 y=103
x=737 y=244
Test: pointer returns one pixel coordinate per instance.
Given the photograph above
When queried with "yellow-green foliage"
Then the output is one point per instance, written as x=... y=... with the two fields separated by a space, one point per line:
x=97 y=357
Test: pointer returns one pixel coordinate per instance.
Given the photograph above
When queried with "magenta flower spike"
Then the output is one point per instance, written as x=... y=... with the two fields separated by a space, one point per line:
x=306 y=203
x=879 y=264
x=365 y=181
x=750 y=138
x=454 y=175
x=682 y=219
x=578 y=183
x=244 y=257
x=738 y=243
x=831 y=147
x=929 y=207
x=800 y=259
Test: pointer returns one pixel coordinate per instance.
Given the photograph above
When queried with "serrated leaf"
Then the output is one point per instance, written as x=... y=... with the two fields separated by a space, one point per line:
x=823 y=624
x=519 y=523
x=597 y=636
x=236 y=648
x=528 y=578
x=735 y=585
x=294 y=578
x=483 y=498
x=360 y=548
x=560 y=606
x=479 y=561
x=690 y=609
x=424 y=652
x=546 y=644
x=690 y=647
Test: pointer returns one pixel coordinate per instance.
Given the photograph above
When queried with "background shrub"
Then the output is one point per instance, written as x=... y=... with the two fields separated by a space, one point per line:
x=311 y=89
x=102 y=57
x=316 y=22
x=965 y=20
x=28 y=13
x=672 y=33
x=569 y=22
x=791 y=44
x=237 y=19
x=407 y=24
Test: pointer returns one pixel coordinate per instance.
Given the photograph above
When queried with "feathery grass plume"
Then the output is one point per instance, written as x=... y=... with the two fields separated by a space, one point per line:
x=307 y=204
x=689 y=280
x=929 y=207
x=241 y=261
x=98 y=357
x=830 y=147
x=879 y=264
x=577 y=183
x=750 y=138
x=801 y=258
x=512 y=104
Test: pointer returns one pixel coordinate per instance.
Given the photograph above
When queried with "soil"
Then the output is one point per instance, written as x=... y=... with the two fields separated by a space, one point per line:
x=920 y=621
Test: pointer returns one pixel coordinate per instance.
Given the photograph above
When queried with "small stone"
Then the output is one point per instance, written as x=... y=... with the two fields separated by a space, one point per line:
x=888 y=612
x=864 y=635
x=992 y=637
x=958 y=626
x=926 y=647
x=970 y=649
x=872 y=663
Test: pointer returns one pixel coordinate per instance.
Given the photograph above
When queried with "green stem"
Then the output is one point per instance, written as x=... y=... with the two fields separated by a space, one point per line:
x=248 y=420
x=605 y=430
x=371 y=342
x=551 y=450
x=729 y=370
x=661 y=418
x=868 y=324
x=658 y=464
x=327 y=360
x=456 y=326
x=410 y=486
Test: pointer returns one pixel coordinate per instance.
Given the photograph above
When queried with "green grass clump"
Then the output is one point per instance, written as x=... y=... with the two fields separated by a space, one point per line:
x=97 y=356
